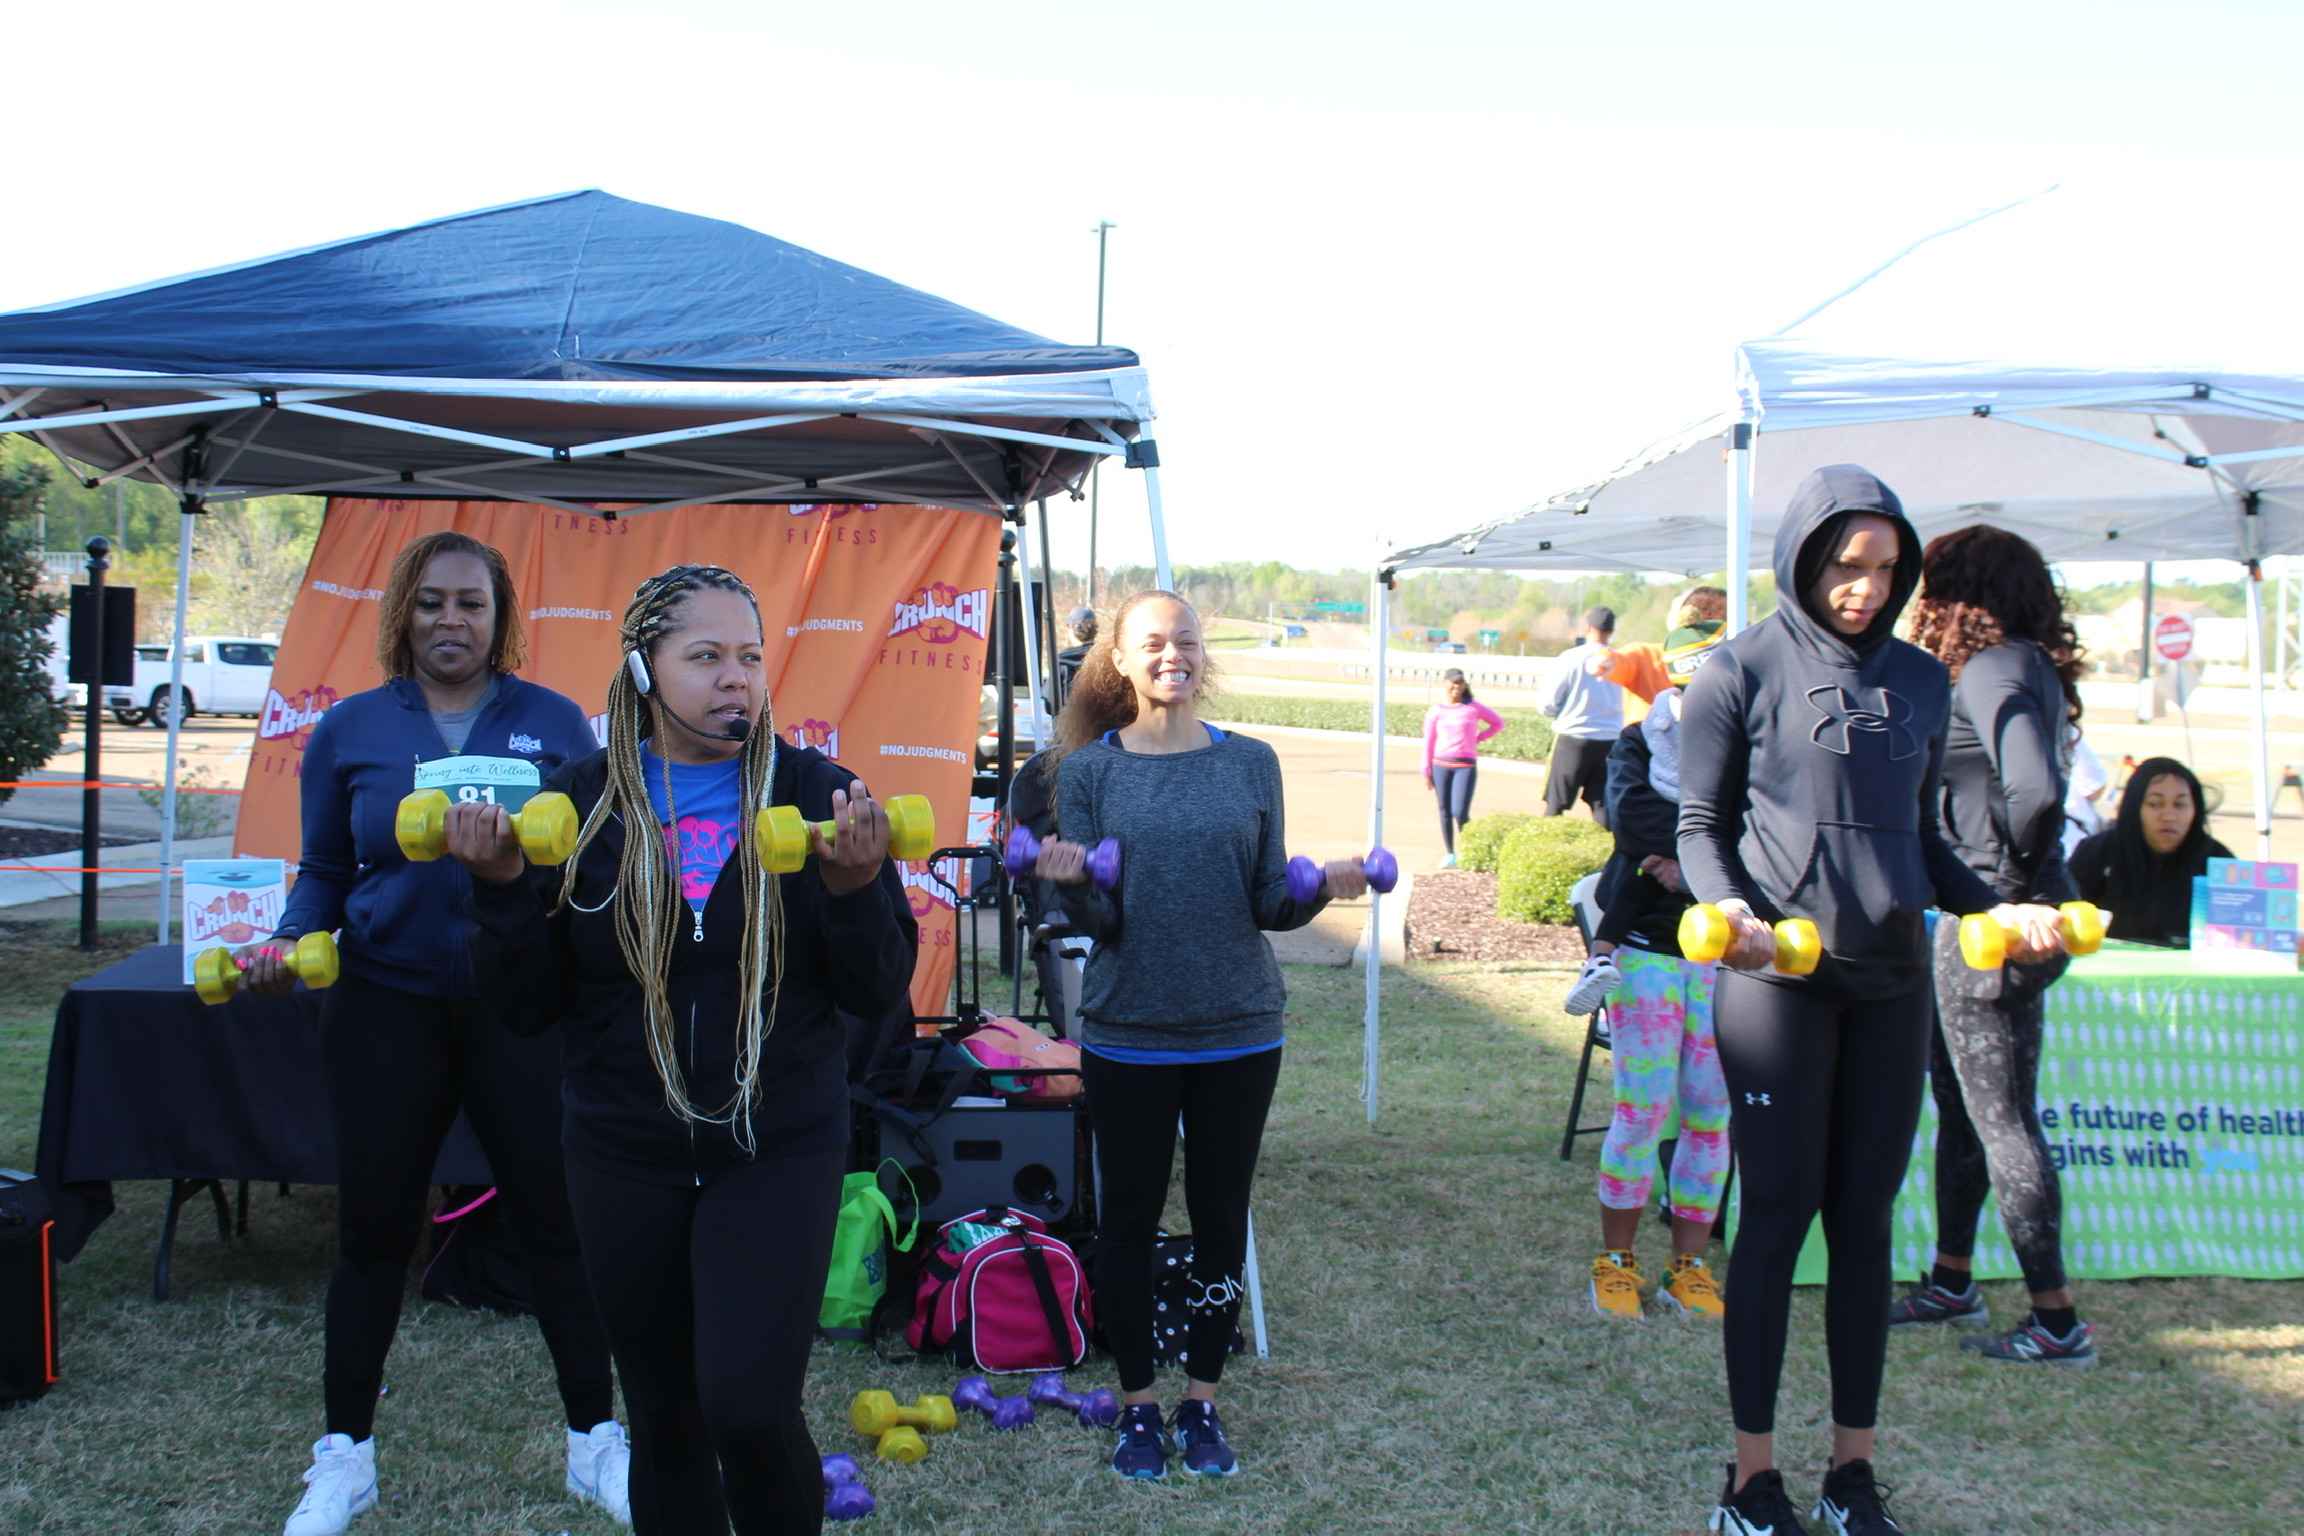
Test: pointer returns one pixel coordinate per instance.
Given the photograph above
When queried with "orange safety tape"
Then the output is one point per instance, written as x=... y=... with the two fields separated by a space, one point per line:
x=80 y=869
x=182 y=789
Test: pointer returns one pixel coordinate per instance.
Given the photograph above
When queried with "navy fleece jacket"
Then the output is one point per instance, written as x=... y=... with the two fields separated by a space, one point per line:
x=404 y=924
x=1811 y=762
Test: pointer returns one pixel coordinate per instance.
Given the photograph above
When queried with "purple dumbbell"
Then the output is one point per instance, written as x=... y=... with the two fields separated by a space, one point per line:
x=845 y=1496
x=1100 y=1409
x=975 y=1395
x=1305 y=877
x=1103 y=859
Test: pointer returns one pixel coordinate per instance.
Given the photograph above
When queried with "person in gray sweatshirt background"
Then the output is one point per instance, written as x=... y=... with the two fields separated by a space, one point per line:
x=1182 y=1004
x=1587 y=715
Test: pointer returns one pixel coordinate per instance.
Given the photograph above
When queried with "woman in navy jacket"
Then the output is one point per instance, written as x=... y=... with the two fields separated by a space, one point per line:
x=404 y=1045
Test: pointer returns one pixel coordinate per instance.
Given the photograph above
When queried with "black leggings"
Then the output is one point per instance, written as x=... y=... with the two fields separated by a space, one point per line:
x=1986 y=1077
x=1454 y=786
x=710 y=1292
x=398 y=1067
x=1223 y=1105
x=1824 y=1095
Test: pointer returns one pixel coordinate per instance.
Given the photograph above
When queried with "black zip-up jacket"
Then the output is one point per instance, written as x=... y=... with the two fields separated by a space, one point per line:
x=852 y=952
x=1636 y=908
x=2004 y=772
x=1810 y=768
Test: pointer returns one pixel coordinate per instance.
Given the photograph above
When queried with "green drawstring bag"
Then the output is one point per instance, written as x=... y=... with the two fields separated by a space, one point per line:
x=860 y=1242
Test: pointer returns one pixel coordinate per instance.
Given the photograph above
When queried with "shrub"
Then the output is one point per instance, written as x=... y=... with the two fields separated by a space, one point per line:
x=1526 y=737
x=1481 y=841
x=1541 y=863
x=197 y=814
x=31 y=721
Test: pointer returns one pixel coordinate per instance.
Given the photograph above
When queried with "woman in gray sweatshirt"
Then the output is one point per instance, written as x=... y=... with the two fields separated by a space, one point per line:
x=1181 y=1007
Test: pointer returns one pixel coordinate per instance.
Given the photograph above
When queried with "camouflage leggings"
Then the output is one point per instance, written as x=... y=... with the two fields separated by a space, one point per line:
x=1985 y=1074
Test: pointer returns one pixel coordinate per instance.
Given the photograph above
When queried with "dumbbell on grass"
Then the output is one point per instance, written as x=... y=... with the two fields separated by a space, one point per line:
x=975 y=1395
x=1305 y=877
x=782 y=833
x=1706 y=935
x=1024 y=851
x=546 y=826
x=897 y=1428
x=1100 y=1409
x=1985 y=940
x=216 y=975
x=845 y=1496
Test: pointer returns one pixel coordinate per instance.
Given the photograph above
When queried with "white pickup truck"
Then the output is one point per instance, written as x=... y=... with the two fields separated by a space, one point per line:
x=223 y=675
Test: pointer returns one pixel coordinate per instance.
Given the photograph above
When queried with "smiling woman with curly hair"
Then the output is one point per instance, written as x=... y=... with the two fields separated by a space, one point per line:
x=1989 y=610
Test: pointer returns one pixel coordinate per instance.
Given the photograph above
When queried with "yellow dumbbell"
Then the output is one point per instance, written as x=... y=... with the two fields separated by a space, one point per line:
x=1706 y=934
x=1985 y=940
x=897 y=1428
x=216 y=976
x=546 y=826
x=783 y=834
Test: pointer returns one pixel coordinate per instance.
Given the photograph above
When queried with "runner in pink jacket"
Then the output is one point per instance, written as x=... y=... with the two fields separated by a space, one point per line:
x=1452 y=735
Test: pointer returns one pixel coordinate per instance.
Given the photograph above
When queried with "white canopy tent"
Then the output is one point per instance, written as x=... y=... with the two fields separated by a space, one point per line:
x=2088 y=367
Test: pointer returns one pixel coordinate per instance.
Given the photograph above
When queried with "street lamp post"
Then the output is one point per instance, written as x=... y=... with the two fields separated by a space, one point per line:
x=1104 y=228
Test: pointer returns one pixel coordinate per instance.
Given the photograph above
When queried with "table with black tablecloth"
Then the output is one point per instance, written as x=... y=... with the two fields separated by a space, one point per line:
x=147 y=1082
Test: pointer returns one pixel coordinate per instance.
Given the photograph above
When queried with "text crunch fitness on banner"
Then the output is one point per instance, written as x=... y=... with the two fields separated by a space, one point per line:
x=877 y=620
x=2172 y=1095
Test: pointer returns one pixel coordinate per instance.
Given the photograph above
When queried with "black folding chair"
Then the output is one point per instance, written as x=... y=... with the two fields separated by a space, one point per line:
x=1596 y=1036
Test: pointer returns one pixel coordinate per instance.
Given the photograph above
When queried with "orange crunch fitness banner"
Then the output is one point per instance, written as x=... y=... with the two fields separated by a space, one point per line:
x=877 y=621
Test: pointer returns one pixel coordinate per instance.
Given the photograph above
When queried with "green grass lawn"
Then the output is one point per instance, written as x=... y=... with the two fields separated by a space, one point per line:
x=1436 y=1366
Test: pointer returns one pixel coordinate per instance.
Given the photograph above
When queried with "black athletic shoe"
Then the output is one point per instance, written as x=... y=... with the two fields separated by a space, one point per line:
x=1761 y=1508
x=1929 y=1302
x=1200 y=1436
x=1854 y=1504
x=2033 y=1344
x=1141 y=1449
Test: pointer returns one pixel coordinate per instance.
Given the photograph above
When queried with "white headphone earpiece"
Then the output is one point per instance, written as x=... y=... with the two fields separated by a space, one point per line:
x=637 y=665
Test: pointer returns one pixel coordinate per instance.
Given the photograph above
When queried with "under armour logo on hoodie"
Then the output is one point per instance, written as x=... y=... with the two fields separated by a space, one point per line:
x=1756 y=1098
x=1839 y=715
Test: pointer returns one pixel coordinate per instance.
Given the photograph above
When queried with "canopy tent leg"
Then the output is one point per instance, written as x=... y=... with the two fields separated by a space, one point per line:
x=1739 y=498
x=188 y=510
x=1031 y=626
x=1144 y=454
x=2260 y=745
x=1048 y=644
x=1372 y=1020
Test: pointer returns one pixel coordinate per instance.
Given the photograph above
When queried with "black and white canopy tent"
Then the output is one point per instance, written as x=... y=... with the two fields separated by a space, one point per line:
x=569 y=351
x=2092 y=368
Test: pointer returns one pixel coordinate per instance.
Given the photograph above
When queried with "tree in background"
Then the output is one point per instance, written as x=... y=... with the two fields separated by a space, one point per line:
x=31 y=722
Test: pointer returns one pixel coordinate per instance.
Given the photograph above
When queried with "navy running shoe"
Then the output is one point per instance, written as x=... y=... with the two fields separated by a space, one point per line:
x=2034 y=1344
x=1200 y=1435
x=1141 y=1447
x=1759 y=1508
x=1929 y=1302
x=1854 y=1503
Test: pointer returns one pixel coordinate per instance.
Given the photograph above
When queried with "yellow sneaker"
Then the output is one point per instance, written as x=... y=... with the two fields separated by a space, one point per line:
x=1691 y=1288
x=1616 y=1285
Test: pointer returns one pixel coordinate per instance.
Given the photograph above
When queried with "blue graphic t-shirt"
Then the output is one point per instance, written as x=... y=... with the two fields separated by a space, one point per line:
x=710 y=801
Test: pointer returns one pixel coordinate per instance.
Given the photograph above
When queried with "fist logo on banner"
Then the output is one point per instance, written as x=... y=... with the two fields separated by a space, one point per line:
x=823 y=735
x=293 y=717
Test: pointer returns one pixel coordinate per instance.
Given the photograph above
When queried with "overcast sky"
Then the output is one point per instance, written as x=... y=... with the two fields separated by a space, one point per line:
x=1395 y=269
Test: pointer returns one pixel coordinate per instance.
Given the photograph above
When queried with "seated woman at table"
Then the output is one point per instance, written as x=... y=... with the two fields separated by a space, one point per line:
x=706 y=1083
x=2141 y=867
x=403 y=1044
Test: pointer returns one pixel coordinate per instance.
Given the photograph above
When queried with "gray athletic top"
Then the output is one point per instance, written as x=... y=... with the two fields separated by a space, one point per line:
x=456 y=724
x=1181 y=962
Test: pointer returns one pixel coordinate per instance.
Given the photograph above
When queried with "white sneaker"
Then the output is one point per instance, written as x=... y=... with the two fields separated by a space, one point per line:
x=1600 y=978
x=600 y=1469
x=340 y=1484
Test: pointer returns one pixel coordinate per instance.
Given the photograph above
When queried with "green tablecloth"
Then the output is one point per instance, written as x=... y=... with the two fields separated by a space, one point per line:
x=2172 y=1089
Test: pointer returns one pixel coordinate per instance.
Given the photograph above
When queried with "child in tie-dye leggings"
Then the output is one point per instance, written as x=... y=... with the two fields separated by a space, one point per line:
x=1660 y=1020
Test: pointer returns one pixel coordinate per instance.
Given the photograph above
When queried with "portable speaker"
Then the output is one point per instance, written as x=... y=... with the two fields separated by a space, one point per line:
x=974 y=1156
x=27 y=1290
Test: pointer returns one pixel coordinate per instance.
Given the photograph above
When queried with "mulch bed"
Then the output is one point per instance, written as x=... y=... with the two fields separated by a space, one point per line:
x=33 y=842
x=1452 y=917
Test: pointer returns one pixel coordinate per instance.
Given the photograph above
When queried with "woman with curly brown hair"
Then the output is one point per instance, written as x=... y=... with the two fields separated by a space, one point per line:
x=1989 y=610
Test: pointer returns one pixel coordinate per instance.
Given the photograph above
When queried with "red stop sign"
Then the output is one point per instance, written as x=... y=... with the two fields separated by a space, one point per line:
x=2172 y=637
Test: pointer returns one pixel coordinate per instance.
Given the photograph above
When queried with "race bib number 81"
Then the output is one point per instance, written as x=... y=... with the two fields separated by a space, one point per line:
x=504 y=781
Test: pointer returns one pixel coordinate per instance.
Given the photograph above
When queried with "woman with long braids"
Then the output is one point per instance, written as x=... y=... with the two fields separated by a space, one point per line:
x=1989 y=610
x=1182 y=1003
x=705 y=1095
x=1813 y=744
x=404 y=1042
